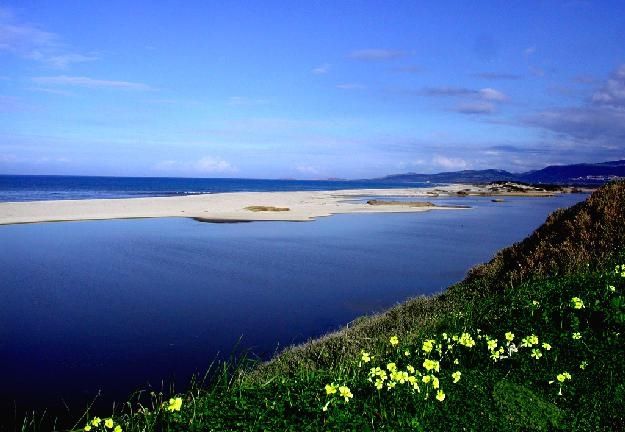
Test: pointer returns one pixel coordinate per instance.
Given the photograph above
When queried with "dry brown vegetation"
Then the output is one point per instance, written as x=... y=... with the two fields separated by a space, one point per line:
x=259 y=208
x=587 y=233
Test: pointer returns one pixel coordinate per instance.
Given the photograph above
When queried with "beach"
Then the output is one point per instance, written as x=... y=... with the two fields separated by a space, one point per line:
x=246 y=206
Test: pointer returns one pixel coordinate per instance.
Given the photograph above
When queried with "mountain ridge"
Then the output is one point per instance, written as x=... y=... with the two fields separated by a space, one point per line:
x=574 y=174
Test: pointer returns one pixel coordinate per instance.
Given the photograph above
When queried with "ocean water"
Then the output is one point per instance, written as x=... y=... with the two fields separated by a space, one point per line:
x=39 y=188
x=115 y=306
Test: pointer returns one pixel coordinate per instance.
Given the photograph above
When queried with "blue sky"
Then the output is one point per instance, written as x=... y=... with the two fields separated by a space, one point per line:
x=308 y=89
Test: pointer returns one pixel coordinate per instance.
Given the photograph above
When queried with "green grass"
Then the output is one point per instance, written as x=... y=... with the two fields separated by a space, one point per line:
x=510 y=394
x=526 y=289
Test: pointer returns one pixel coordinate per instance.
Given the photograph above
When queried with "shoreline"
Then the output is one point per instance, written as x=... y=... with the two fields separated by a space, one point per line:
x=237 y=206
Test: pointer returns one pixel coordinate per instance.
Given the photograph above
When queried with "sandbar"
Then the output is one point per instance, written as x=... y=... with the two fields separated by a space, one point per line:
x=233 y=206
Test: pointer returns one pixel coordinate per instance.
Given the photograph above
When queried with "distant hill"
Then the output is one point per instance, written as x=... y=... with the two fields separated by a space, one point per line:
x=579 y=174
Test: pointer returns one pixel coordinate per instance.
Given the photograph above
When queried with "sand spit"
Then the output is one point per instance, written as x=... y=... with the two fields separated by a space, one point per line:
x=235 y=206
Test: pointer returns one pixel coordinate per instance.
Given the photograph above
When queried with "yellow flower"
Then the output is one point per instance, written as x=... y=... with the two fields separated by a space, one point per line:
x=620 y=270
x=583 y=365
x=494 y=355
x=345 y=393
x=431 y=365
x=529 y=341
x=379 y=384
x=466 y=340
x=390 y=385
x=435 y=382
x=365 y=357
x=426 y=379
x=175 y=404
x=428 y=345
x=410 y=369
x=413 y=381
x=440 y=396
x=576 y=336
x=577 y=303
x=118 y=428
x=399 y=376
x=536 y=353
x=96 y=421
x=492 y=344
x=330 y=389
x=87 y=428
x=391 y=367
x=394 y=340
x=108 y=423
x=535 y=303
x=509 y=336
x=456 y=361
x=563 y=377
x=456 y=376
x=546 y=346
x=611 y=288
x=407 y=353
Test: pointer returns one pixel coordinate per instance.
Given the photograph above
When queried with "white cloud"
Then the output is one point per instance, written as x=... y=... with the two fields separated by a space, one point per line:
x=599 y=121
x=491 y=94
x=307 y=169
x=212 y=165
x=65 y=60
x=475 y=108
x=202 y=166
x=471 y=101
x=350 y=86
x=321 y=69
x=13 y=159
x=79 y=81
x=487 y=94
x=32 y=43
x=613 y=91
x=374 y=54
x=51 y=91
x=449 y=163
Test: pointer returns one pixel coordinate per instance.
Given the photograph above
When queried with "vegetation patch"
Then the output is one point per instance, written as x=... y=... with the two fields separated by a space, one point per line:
x=258 y=208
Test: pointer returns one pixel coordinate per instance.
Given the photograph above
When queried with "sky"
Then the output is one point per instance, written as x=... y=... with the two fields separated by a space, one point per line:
x=308 y=89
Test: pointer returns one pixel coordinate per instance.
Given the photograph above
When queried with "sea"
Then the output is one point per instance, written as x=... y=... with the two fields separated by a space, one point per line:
x=96 y=310
x=46 y=187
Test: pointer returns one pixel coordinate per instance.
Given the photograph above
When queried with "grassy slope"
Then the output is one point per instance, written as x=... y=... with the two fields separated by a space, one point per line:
x=572 y=254
x=589 y=233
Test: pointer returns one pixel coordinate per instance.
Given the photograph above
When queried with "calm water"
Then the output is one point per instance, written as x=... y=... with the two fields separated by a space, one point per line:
x=118 y=305
x=38 y=188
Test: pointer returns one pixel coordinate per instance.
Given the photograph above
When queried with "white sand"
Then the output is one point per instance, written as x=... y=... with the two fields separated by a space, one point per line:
x=303 y=206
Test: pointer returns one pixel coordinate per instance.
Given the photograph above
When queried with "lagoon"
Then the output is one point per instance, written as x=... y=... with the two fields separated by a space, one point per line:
x=114 y=306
